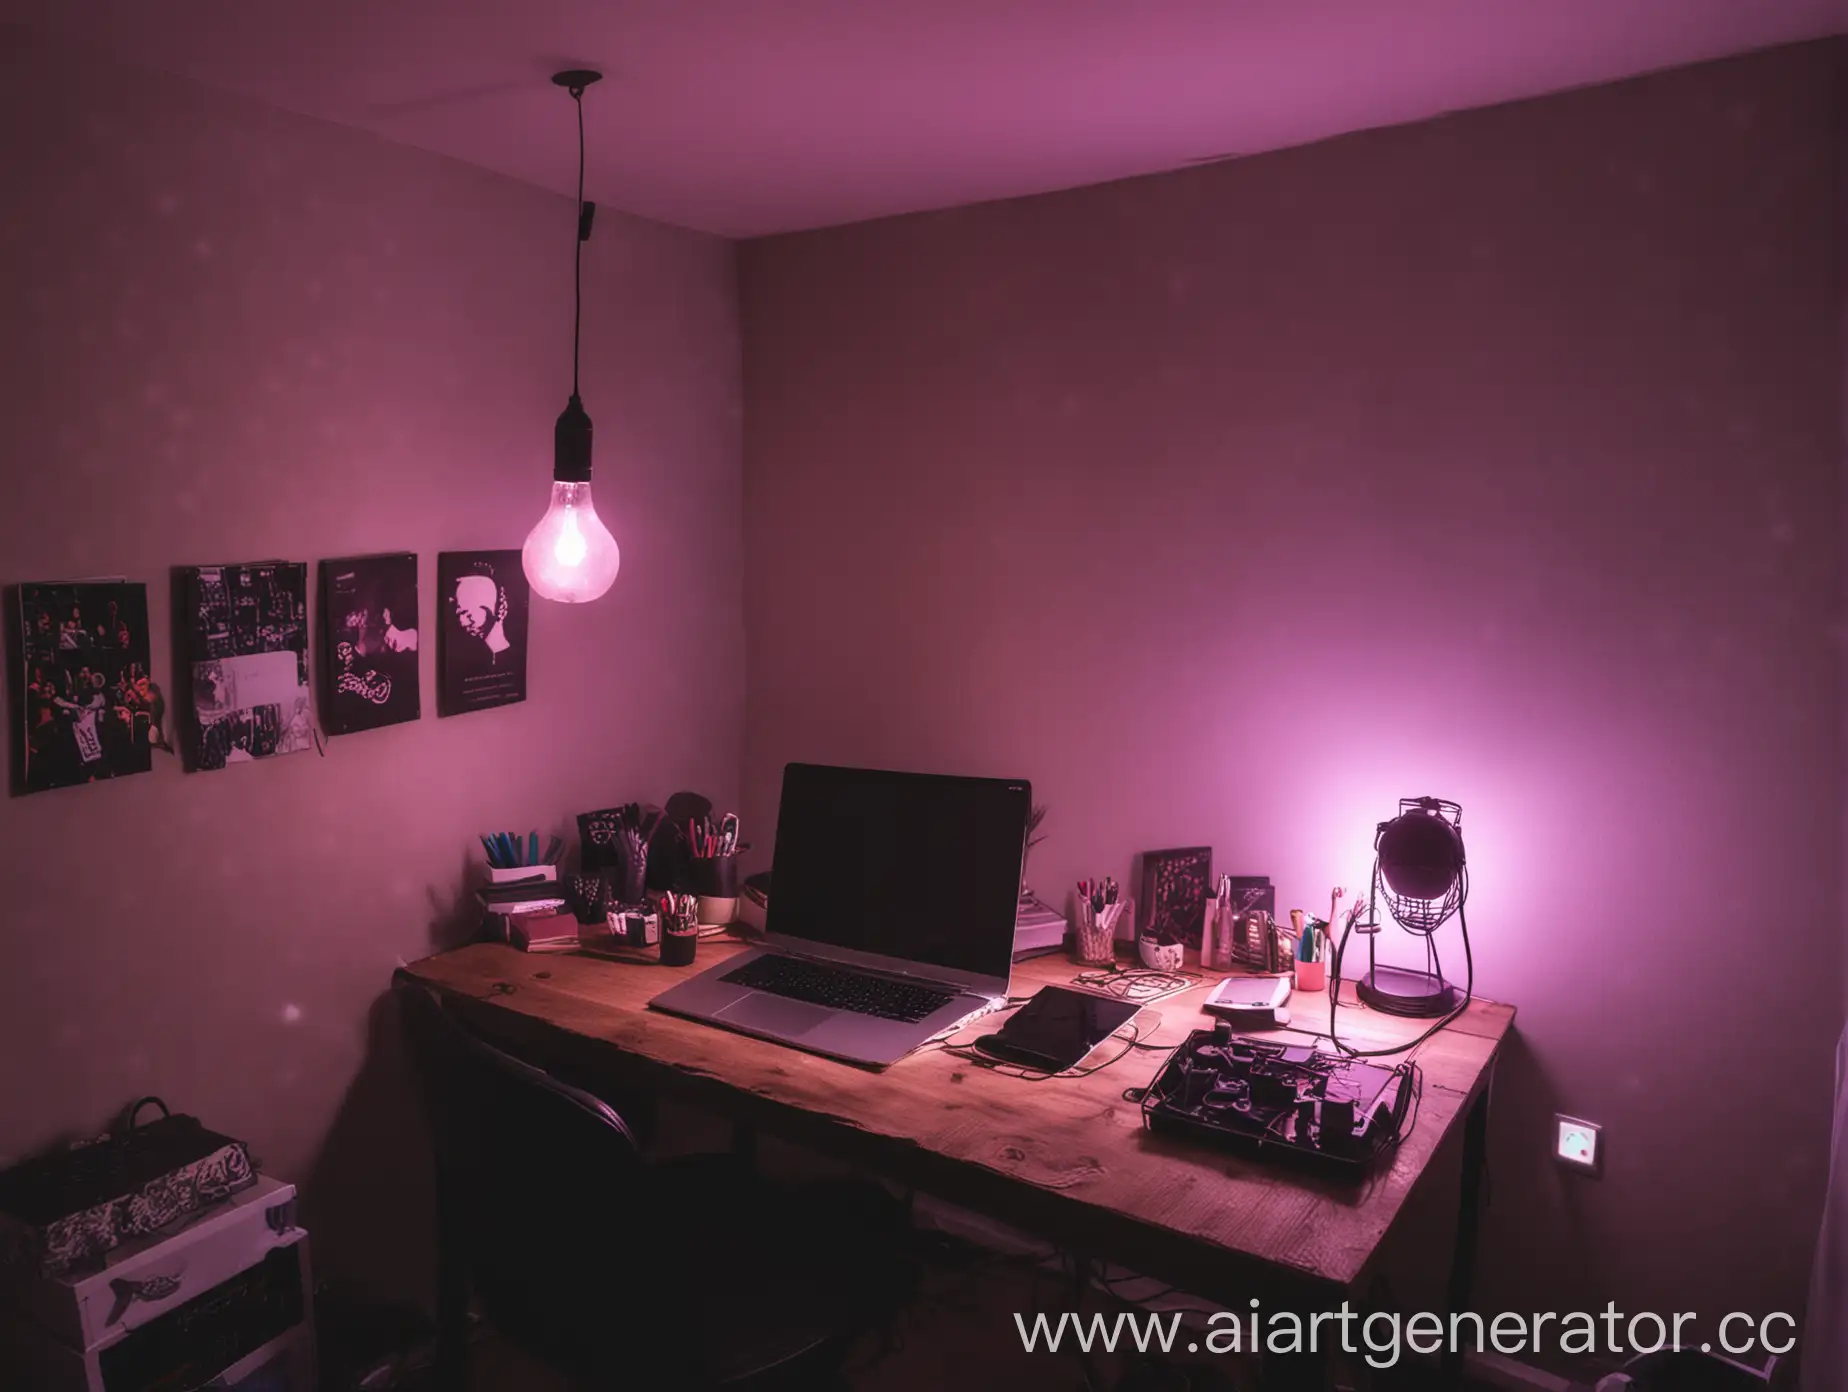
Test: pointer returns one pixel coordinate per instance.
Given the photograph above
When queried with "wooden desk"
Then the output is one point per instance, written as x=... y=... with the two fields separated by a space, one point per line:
x=1067 y=1159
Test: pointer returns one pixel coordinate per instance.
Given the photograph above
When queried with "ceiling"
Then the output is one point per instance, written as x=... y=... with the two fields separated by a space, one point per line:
x=746 y=117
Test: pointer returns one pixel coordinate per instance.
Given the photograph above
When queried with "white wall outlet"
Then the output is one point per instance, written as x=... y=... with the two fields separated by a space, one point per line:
x=1578 y=1145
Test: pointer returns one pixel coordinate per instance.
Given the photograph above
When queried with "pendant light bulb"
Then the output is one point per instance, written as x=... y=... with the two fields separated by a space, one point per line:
x=571 y=556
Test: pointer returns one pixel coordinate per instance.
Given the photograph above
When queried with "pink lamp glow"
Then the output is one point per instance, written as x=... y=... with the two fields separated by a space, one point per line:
x=570 y=555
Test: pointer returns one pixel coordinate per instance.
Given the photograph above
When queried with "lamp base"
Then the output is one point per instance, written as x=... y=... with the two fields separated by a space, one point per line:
x=1401 y=991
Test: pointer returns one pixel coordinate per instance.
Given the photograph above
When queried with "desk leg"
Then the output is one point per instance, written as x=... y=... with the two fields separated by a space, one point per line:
x=451 y=1314
x=1469 y=1203
x=1311 y=1369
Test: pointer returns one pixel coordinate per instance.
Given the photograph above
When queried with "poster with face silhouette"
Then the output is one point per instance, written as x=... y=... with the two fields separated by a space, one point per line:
x=247 y=640
x=91 y=711
x=369 y=642
x=481 y=609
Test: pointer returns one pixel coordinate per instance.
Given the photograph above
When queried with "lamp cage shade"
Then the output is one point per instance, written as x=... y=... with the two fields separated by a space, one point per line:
x=1420 y=863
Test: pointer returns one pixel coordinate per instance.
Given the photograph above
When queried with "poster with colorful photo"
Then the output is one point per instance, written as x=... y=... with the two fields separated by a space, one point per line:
x=369 y=642
x=481 y=610
x=91 y=709
x=247 y=640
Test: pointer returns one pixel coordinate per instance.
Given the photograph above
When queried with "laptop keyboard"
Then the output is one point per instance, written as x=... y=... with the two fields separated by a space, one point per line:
x=844 y=990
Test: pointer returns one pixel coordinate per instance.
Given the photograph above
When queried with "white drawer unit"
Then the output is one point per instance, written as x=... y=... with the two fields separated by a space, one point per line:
x=226 y=1302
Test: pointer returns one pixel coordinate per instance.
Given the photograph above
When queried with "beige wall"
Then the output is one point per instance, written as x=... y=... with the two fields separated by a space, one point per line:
x=1497 y=457
x=235 y=333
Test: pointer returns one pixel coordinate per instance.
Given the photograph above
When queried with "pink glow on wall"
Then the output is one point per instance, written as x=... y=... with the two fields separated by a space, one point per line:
x=1496 y=458
x=237 y=333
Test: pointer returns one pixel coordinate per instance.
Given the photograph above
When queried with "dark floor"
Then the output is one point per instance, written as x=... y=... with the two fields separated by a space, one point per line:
x=959 y=1334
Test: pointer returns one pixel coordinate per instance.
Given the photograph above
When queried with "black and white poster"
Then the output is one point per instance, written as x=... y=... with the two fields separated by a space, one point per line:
x=481 y=608
x=92 y=711
x=247 y=632
x=369 y=642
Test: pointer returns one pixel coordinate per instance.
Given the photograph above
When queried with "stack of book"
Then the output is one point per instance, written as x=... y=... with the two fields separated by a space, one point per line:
x=1038 y=929
x=525 y=898
x=535 y=895
x=543 y=932
x=525 y=895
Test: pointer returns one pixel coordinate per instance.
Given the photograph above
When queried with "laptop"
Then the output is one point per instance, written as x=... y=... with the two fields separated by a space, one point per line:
x=891 y=915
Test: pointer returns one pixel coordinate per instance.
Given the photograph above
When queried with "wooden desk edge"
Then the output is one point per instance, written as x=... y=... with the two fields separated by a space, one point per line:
x=1196 y=1263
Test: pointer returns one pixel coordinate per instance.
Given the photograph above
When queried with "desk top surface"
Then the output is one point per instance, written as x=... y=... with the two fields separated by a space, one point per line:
x=1073 y=1142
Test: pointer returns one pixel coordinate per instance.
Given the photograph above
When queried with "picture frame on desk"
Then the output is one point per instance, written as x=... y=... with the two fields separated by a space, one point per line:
x=1254 y=911
x=1172 y=902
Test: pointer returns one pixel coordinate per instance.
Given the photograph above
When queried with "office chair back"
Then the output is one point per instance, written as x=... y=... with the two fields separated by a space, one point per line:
x=538 y=1196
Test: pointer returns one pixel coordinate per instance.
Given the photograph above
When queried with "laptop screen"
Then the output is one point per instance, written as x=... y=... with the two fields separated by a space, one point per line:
x=917 y=866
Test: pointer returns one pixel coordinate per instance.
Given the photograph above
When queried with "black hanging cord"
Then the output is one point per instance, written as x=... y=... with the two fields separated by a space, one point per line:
x=577 y=251
x=572 y=436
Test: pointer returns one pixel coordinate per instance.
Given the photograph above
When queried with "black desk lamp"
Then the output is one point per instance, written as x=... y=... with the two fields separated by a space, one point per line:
x=1420 y=873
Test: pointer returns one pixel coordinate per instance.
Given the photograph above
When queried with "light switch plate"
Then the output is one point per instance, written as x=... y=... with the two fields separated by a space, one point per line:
x=1578 y=1145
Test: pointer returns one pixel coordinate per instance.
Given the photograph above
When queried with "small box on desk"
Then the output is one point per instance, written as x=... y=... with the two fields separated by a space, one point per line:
x=522 y=874
x=1037 y=930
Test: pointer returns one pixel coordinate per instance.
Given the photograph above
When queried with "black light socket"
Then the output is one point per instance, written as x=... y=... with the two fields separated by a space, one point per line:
x=571 y=443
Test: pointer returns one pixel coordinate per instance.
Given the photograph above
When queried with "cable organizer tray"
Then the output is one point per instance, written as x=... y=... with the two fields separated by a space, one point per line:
x=1285 y=1103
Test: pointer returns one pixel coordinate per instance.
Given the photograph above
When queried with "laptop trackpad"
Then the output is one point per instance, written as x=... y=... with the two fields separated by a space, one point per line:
x=774 y=1014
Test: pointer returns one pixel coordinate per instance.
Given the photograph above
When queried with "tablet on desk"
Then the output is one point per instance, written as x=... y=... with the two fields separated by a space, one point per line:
x=1245 y=993
x=1056 y=1029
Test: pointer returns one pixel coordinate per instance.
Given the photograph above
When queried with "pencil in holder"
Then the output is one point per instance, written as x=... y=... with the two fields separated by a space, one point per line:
x=679 y=942
x=679 y=930
x=1097 y=911
x=1094 y=935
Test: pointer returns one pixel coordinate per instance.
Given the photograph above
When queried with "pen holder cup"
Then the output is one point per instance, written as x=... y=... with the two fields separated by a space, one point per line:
x=1311 y=976
x=678 y=945
x=629 y=878
x=1094 y=944
x=589 y=897
x=716 y=910
x=713 y=877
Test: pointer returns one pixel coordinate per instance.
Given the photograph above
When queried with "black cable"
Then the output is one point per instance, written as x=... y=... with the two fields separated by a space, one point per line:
x=1334 y=990
x=577 y=255
x=1033 y=1075
x=1142 y=985
x=1415 y=1079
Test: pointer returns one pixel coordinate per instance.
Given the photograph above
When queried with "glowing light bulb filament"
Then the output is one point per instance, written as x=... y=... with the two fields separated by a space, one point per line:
x=571 y=548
